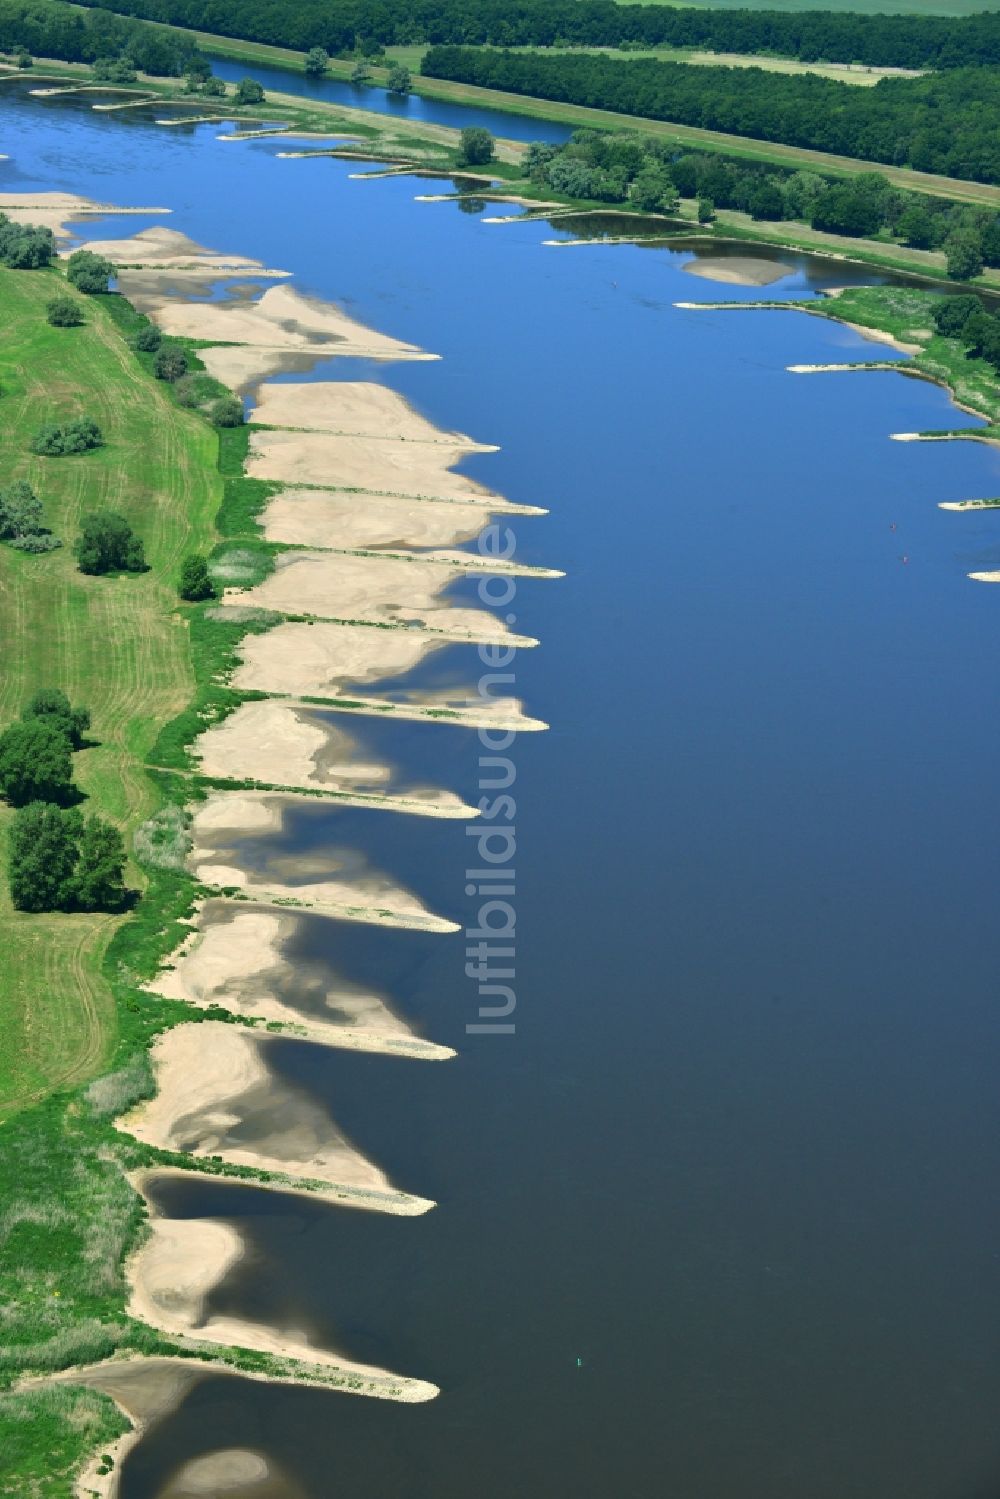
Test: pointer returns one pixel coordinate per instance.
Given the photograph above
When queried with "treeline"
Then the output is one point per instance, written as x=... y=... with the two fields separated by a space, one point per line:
x=45 y=28
x=946 y=122
x=341 y=26
x=651 y=175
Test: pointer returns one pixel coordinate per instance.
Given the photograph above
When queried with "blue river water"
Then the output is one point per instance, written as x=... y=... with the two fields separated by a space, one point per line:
x=721 y=1217
x=412 y=107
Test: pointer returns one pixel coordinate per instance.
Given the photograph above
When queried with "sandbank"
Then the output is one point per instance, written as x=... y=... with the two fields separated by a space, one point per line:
x=168 y=249
x=738 y=270
x=235 y=957
x=968 y=504
x=283 y=318
x=381 y=464
x=352 y=408
x=370 y=590
x=352 y=518
x=986 y=577
x=55 y=210
x=349 y=887
x=217 y=1097
x=279 y=744
x=172 y=1275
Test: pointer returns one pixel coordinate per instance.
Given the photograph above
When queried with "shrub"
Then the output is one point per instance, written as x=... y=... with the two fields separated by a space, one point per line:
x=170 y=364
x=57 y=439
x=227 y=411
x=147 y=340
x=36 y=541
x=195 y=580
x=88 y=272
x=63 y=312
x=108 y=544
x=24 y=59
x=114 y=70
x=214 y=87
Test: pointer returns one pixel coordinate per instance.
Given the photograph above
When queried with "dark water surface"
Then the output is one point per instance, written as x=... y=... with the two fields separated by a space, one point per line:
x=741 y=1156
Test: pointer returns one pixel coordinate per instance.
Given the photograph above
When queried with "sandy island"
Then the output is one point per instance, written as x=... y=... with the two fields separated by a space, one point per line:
x=738 y=270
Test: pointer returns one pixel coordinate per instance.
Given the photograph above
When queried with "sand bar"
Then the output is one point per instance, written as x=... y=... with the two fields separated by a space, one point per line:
x=279 y=744
x=341 y=882
x=235 y=957
x=352 y=408
x=55 y=210
x=738 y=270
x=283 y=318
x=381 y=464
x=160 y=248
x=216 y=1096
x=373 y=591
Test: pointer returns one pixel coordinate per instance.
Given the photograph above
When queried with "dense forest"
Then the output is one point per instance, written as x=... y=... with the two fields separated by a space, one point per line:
x=340 y=26
x=45 y=28
x=944 y=122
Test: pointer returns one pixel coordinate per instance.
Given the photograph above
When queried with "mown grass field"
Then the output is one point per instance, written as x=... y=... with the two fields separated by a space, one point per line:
x=116 y=644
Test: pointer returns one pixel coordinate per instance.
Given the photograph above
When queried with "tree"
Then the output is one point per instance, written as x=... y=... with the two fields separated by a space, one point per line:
x=706 y=210
x=196 y=580
x=360 y=73
x=108 y=544
x=249 y=91
x=35 y=763
x=964 y=255
x=88 y=272
x=63 y=312
x=990 y=243
x=24 y=59
x=20 y=510
x=651 y=188
x=477 y=146
x=915 y=227
x=399 y=81
x=317 y=60
x=98 y=882
x=951 y=314
x=56 y=439
x=114 y=70
x=147 y=340
x=214 y=87
x=53 y=706
x=43 y=855
x=227 y=411
x=766 y=201
x=170 y=364
x=24 y=247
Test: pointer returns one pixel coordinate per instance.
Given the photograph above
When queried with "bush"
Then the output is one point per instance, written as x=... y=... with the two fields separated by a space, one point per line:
x=195 y=580
x=147 y=340
x=63 y=312
x=114 y=70
x=24 y=247
x=50 y=705
x=88 y=272
x=227 y=411
x=316 y=62
x=249 y=91
x=108 y=544
x=24 y=59
x=360 y=73
x=214 y=87
x=170 y=364
x=477 y=146
x=706 y=210
x=35 y=763
x=399 y=81
x=36 y=541
x=54 y=440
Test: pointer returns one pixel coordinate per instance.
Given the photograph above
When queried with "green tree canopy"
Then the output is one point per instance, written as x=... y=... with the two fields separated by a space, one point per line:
x=20 y=510
x=195 y=580
x=477 y=146
x=147 y=340
x=249 y=91
x=170 y=364
x=98 y=882
x=43 y=854
x=88 y=272
x=964 y=254
x=24 y=247
x=316 y=63
x=56 y=439
x=35 y=763
x=53 y=706
x=399 y=81
x=108 y=544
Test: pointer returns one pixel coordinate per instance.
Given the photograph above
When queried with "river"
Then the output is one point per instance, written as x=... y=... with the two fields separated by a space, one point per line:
x=721 y=1216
